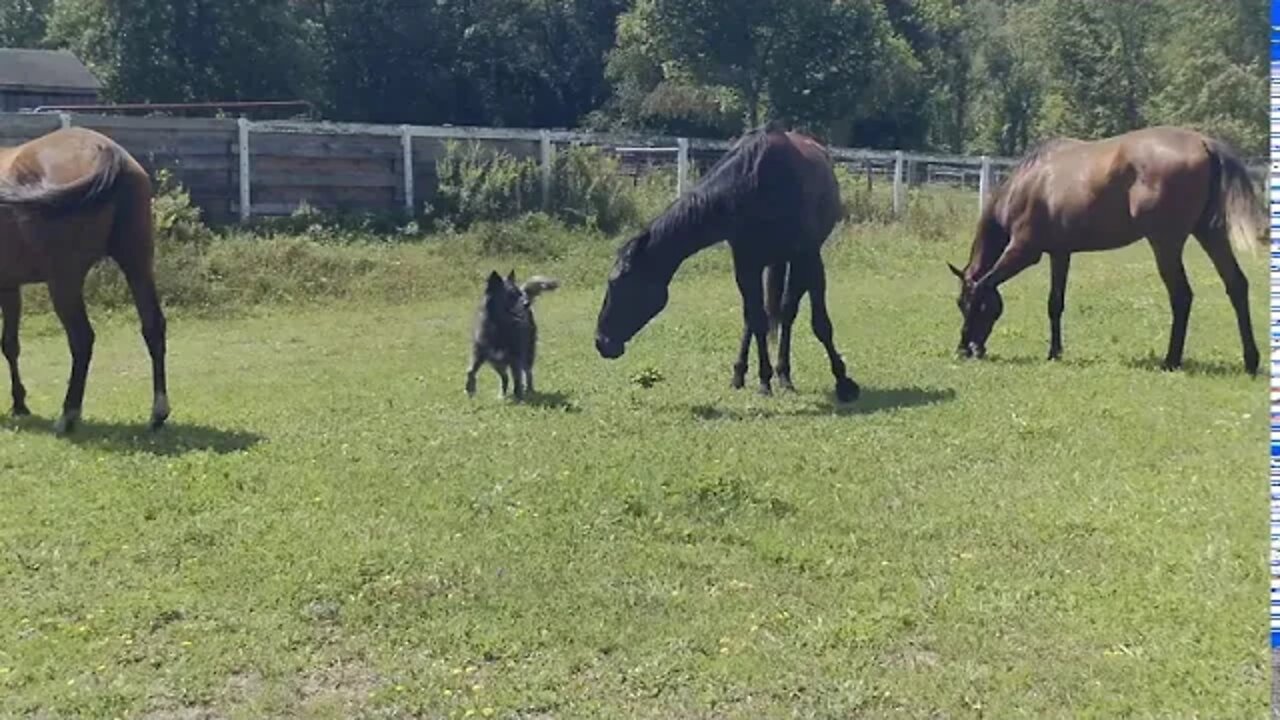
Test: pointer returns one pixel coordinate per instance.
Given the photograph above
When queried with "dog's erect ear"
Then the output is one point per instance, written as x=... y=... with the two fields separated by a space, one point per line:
x=494 y=283
x=956 y=271
x=511 y=276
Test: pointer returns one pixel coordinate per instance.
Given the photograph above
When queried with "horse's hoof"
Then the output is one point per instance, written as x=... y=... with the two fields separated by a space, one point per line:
x=765 y=390
x=1170 y=366
x=847 y=390
x=786 y=384
x=737 y=382
x=1055 y=355
x=67 y=423
x=20 y=410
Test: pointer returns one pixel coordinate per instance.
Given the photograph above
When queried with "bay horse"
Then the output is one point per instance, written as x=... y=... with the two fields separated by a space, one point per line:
x=1067 y=196
x=67 y=200
x=774 y=197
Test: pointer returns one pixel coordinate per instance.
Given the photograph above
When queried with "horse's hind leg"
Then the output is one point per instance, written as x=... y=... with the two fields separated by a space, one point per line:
x=146 y=299
x=1217 y=246
x=846 y=389
x=11 y=308
x=795 y=289
x=1168 y=254
x=68 y=301
x=740 y=366
x=751 y=286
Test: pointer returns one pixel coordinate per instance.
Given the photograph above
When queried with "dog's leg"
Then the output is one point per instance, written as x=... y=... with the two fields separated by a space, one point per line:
x=517 y=378
x=476 y=362
x=502 y=373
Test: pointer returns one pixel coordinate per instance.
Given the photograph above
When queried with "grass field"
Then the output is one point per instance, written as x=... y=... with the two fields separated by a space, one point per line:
x=329 y=528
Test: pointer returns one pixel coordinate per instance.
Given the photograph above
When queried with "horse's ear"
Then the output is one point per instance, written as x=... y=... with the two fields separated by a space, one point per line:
x=956 y=271
x=494 y=282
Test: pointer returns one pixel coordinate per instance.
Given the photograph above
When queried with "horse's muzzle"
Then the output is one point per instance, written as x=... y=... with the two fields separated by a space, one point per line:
x=609 y=349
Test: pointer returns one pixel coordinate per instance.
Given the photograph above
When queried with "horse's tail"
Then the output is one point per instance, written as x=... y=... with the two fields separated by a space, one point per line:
x=775 y=280
x=79 y=193
x=538 y=284
x=1233 y=203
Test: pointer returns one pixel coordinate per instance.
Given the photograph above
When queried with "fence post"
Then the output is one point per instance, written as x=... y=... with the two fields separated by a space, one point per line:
x=244 y=169
x=898 y=162
x=984 y=183
x=406 y=159
x=545 y=163
x=682 y=165
x=65 y=119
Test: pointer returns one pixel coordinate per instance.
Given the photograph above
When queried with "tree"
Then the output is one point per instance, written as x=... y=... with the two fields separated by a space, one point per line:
x=23 y=23
x=1100 y=72
x=1215 y=71
x=185 y=50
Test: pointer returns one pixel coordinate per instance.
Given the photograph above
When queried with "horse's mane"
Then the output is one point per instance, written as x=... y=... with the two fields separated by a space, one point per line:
x=731 y=178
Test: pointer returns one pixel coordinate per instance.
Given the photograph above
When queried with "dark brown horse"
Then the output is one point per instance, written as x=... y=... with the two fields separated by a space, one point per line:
x=1069 y=196
x=67 y=200
x=774 y=197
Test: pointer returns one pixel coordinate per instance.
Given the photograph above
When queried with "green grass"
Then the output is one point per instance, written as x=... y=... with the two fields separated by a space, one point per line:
x=330 y=528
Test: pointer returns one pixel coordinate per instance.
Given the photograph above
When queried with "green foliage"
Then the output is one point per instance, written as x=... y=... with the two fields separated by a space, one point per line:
x=175 y=219
x=988 y=76
x=186 y=50
x=23 y=23
x=476 y=183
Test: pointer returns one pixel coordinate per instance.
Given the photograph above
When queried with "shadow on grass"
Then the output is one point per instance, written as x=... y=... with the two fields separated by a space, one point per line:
x=1211 y=368
x=872 y=400
x=552 y=401
x=172 y=440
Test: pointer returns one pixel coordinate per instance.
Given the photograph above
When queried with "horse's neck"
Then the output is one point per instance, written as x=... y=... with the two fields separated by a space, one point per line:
x=684 y=231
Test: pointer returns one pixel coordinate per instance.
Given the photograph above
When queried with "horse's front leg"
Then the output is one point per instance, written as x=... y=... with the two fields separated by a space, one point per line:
x=11 y=308
x=751 y=287
x=1059 y=264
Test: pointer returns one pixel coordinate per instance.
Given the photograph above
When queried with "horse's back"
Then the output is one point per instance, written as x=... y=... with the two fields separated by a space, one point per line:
x=1111 y=192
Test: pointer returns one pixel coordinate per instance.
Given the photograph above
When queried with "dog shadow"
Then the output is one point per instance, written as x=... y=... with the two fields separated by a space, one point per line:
x=551 y=401
x=173 y=440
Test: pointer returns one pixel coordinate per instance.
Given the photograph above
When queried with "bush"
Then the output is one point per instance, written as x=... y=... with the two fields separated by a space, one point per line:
x=477 y=184
x=174 y=217
x=481 y=185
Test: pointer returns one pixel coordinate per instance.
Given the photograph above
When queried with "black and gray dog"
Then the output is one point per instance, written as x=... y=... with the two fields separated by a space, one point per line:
x=506 y=335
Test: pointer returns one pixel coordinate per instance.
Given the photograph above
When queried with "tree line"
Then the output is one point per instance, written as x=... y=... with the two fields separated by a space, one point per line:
x=967 y=76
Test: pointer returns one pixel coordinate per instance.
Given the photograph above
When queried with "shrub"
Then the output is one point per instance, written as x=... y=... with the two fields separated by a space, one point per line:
x=478 y=184
x=481 y=185
x=174 y=217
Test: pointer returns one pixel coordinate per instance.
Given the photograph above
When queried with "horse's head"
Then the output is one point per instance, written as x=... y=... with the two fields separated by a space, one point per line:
x=980 y=311
x=637 y=291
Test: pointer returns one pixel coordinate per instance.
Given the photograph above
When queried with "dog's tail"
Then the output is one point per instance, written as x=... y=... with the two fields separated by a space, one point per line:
x=538 y=284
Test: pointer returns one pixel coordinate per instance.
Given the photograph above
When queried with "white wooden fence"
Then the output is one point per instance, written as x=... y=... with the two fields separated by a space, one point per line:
x=238 y=169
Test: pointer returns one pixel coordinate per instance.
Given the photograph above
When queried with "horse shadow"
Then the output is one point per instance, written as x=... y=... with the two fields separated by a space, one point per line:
x=173 y=440
x=870 y=401
x=1205 y=368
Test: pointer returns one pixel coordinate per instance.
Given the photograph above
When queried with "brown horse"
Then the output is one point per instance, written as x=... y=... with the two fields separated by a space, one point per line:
x=67 y=200
x=775 y=198
x=1067 y=196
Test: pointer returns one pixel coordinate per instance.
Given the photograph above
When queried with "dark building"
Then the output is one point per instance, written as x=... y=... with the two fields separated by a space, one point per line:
x=31 y=78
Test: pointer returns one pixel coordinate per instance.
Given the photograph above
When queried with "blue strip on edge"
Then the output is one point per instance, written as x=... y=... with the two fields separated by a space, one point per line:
x=1273 y=197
